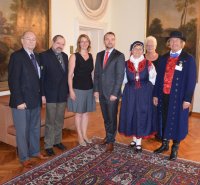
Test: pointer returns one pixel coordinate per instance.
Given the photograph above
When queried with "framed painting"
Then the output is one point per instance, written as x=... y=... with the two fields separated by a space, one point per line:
x=17 y=16
x=166 y=15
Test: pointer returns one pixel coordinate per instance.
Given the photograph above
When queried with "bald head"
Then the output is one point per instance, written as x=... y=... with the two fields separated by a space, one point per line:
x=28 y=40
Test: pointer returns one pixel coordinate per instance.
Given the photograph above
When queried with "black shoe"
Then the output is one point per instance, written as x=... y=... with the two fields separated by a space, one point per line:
x=50 y=151
x=138 y=148
x=163 y=147
x=174 y=152
x=60 y=146
x=132 y=144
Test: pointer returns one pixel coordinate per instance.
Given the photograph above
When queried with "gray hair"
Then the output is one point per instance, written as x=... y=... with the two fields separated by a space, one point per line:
x=152 y=38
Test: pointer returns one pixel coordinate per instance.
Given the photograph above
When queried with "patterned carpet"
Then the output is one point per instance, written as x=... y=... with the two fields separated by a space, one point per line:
x=91 y=165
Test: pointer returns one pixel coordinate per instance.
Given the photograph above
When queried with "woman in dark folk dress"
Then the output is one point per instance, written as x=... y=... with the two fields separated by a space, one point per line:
x=137 y=112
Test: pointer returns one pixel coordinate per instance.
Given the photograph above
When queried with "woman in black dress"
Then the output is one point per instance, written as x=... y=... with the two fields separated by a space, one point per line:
x=81 y=100
x=154 y=57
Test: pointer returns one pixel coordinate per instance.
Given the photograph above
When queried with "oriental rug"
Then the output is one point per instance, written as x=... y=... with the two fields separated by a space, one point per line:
x=91 y=165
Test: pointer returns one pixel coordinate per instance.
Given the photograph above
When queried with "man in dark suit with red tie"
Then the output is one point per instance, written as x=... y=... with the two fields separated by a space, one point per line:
x=108 y=78
x=25 y=98
x=54 y=92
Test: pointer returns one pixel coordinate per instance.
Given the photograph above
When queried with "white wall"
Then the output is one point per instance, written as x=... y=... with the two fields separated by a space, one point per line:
x=128 y=21
x=196 y=100
x=65 y=15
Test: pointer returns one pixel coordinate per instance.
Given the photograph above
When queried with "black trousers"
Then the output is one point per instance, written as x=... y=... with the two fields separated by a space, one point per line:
x=109 y=111
x=165 y=106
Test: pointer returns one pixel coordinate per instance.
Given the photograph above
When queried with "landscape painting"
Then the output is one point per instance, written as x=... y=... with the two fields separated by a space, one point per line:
x=17 y=16
x=163 y=16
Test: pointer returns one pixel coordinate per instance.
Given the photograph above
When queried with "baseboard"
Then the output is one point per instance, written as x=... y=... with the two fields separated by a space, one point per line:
x=195 y=114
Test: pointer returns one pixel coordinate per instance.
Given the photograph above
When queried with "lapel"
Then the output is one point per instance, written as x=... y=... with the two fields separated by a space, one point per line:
x=102 y=58
x=53 y=56
x=29 y=63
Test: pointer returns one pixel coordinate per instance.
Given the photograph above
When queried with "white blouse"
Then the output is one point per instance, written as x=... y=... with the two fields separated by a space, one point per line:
x=151 y=69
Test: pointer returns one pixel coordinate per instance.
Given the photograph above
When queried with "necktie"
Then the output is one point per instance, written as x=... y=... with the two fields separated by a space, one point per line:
x=105 y=59
x=174 y=55
x=34 y=62
x=60 y=59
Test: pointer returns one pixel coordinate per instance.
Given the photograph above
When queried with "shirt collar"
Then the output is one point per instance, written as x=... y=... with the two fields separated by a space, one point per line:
x=110 y=50
x=178 y=52
x=28 y=52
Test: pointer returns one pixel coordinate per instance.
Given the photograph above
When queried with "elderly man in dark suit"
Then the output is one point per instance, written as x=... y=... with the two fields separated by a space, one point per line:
x=108 y=78
x=55 y=91
x=25 y=98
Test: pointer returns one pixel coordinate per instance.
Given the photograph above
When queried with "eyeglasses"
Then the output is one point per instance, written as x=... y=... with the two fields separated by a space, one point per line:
x=29 y=39
x=137 y=49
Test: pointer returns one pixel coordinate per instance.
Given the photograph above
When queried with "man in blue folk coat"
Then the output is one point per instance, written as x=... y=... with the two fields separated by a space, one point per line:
x=173 y=93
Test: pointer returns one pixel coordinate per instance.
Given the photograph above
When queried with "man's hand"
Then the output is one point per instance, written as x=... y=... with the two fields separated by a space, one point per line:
x=113 y=98
x=186 y=105
x=96 y=95
x=21 y=106
x=43 y=100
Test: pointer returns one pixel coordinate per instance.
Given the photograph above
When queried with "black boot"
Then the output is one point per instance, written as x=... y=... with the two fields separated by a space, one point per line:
x=174 y=151
x=163 y=147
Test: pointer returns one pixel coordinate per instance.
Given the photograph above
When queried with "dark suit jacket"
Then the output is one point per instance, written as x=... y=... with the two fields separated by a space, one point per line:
x=54 y=78
x=108 y=80
x=23 y=80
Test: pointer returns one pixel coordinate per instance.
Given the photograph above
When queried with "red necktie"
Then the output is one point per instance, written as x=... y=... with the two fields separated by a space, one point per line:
x=105 y=59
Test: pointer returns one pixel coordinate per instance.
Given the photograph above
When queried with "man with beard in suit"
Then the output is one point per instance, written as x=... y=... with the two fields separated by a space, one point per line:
x=108 y=78
x=54 y=92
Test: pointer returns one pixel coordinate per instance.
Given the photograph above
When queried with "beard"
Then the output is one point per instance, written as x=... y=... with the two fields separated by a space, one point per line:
x=58 y=50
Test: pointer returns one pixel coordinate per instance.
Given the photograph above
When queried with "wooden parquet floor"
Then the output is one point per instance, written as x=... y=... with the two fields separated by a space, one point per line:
x=189 y=148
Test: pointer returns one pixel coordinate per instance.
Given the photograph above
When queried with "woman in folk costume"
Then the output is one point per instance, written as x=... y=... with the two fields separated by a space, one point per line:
x=173 y=93
x=136 y=114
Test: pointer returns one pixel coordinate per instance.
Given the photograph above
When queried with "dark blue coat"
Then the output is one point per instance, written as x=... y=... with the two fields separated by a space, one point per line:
x=183 y=85
x=54 y=78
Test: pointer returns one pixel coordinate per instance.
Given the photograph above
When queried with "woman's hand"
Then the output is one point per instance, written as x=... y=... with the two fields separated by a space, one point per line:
x=72 y=95
x=155 y=101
